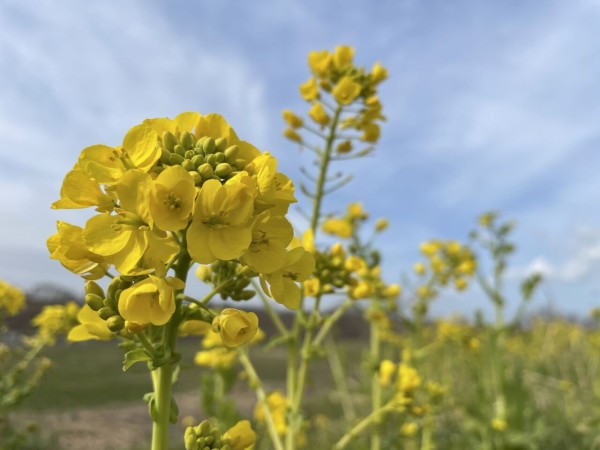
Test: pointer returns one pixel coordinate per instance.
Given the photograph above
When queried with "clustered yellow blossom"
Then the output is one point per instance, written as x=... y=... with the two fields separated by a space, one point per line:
x=277 y=405
x=336 y=83
x=241 y=436
x=461 y=333
x=447 y=261
x=12 y=299
x=184 y=185
x=55 y=320
x=346 y=226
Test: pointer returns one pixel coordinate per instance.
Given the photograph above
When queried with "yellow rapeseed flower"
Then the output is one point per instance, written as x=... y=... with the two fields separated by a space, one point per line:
x=240 y=436
x=299 y=265
x=309 y=90
x=338 y=227
x=151 y=300
x=312 y=287
x=342 y=57
x=91 y=326
x=318 y=114
x=378 y=73
x=292 y=119
x=220 y=226
x=12 y=299
x=386 y=372
x=235 y=327
x=346 y=91
x=172 y=198
x=381 y=224
x=267 y=250
x=371 y=132
x=319 y=62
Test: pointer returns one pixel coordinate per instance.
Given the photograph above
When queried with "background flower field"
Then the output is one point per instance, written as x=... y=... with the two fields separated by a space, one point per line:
x=376 y=233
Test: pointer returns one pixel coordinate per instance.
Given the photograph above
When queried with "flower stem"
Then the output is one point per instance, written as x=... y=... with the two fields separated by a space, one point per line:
x=262 y=398
x=372 y=418
x=162 y=392
x=375 y=385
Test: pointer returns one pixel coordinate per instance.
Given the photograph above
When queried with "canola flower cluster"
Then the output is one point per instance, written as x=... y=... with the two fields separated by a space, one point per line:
x=183 y=186
x=447 y=261
x=205 y=436
x=336 y=77
x=12 y=299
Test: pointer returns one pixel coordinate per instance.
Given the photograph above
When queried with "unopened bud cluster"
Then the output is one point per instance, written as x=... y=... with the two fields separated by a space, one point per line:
x=204 y=158
x=205 y=437
x=230 y=277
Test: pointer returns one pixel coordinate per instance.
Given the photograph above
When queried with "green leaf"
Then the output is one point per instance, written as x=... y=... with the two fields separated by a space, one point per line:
x=174 y=411
x=133 y=356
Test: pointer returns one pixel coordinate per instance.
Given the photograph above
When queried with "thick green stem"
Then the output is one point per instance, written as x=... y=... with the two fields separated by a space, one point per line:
x=162 y=377
x=162 y=392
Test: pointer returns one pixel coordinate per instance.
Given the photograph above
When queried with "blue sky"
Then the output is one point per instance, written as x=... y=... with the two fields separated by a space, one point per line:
x=490 y=105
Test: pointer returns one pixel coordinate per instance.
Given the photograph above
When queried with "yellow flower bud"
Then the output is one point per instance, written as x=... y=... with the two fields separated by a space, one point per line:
x=344 y=147
x=292 y=119
x=371 y=132
x=499 y=424
x=346 y=91
x=409 y=429
x=391 y=291
x=386 y=371
x=292 y=135
x=460 y=284
x=419 y=268
x=312 y=287
x=204 y=273
x=338 y=227
x=355 y=264
x=241 y=436
x=378 y=73
x=381 y=224
x=318 y=114
x=319 y=62
x=309 y=90
x=235 y=327
x=337 y=249
x=362 y=290
x=342 y=57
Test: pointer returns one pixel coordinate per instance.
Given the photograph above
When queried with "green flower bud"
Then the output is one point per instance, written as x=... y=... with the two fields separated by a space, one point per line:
x=190 y=437
x=115 y=323
x=176 y=159
x=206 y=171
x=240 y=164
x=196 y=176
x=246 y=295
x=209 y=146
x=198 y=160
x=187 y=139
x=113 y=287
x=223 y=170
x=91 y=287
x=189 y=154
x=164 y=156
x=180 y=150
x=219 y=158
x=188 y=165
x=94 y=301
x=211 y=159
x=169 y=140
x=110 y=302
x=221 y=144
x=106 y=312
x=232 y=152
